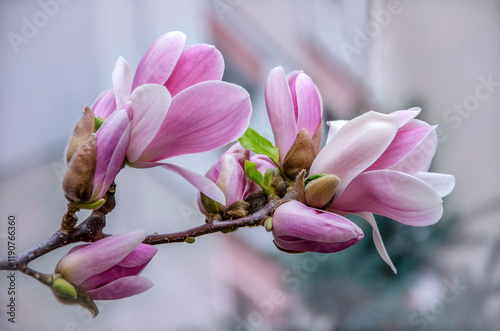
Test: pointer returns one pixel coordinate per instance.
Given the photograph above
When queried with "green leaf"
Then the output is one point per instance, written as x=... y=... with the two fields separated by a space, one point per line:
x=310 y=179
x=98 y=121
x=268 y=176
x=252 y=173
x=256 y=143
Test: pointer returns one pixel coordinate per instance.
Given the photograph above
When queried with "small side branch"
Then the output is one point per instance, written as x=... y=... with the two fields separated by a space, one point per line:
x=213 y=226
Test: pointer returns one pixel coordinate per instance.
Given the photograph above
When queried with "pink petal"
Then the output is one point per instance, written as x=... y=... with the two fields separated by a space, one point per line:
x=280 y=110
x=140 y=255
x=149 y=104
x=99 y=256
x=291 y=79
x=112 y=141
x=202 y=117
x=443 y=184
x=393 y=194
x=404 y=142
x=122 y=82
x=355 y=147
x=196 y=64
x=202 y=183
x=377 y=239
x=404 y=116
x=334 y=127
x=232 y=179
x=420 y=158
x=121 y=288
x=110 y=275
x=237 y=151
x=159 y=61
x=105 y=104
x=309 y=104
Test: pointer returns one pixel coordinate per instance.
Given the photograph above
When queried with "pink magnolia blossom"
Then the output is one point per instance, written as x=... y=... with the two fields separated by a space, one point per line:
x=293 y=103
x=108 y=269
x=229 y=173
x=297 y=227
x=382 y=162
x=189 y=108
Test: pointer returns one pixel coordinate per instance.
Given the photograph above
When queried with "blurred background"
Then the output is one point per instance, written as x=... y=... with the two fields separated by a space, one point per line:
x=56 y=56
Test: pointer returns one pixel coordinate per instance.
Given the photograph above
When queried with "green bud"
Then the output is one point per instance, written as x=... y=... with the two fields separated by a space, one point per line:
x=190 y=240
x=268 y=224
x=64 y=289
x=69 y=294
x=319 y=191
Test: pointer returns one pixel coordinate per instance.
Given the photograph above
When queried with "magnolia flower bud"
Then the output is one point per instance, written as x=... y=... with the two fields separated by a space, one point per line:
x=107 y=269
x=81 y=133
x=298 y=228
x=78 y=182
x=300 y=155
x=321 y=190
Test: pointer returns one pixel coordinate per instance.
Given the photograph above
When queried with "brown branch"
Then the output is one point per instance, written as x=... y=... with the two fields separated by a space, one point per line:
x=89 y=230
x=213 y=226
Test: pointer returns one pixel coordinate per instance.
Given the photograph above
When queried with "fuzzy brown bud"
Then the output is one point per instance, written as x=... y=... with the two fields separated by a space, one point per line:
x=320 y=191
x=237 y=209
x=78 y=182
x=257 y=201
x=300 y=155
x=81 y=133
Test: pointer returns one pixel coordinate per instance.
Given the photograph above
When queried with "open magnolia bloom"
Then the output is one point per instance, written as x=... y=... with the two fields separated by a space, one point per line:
x=378 y=165
x=189 y=108
x=382 y=162
x=108 y=269
x=374 y=164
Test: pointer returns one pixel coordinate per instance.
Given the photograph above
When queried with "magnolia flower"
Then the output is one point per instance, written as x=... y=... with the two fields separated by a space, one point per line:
x=382 y=162
x=189 y=110
x=108 y=269
x=373 y=164
x=94 y=159
x=229 y=173
x=293 y=103
x=297 y=227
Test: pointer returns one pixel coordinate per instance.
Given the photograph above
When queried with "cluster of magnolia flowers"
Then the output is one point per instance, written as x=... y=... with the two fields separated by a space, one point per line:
x=176 y=104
